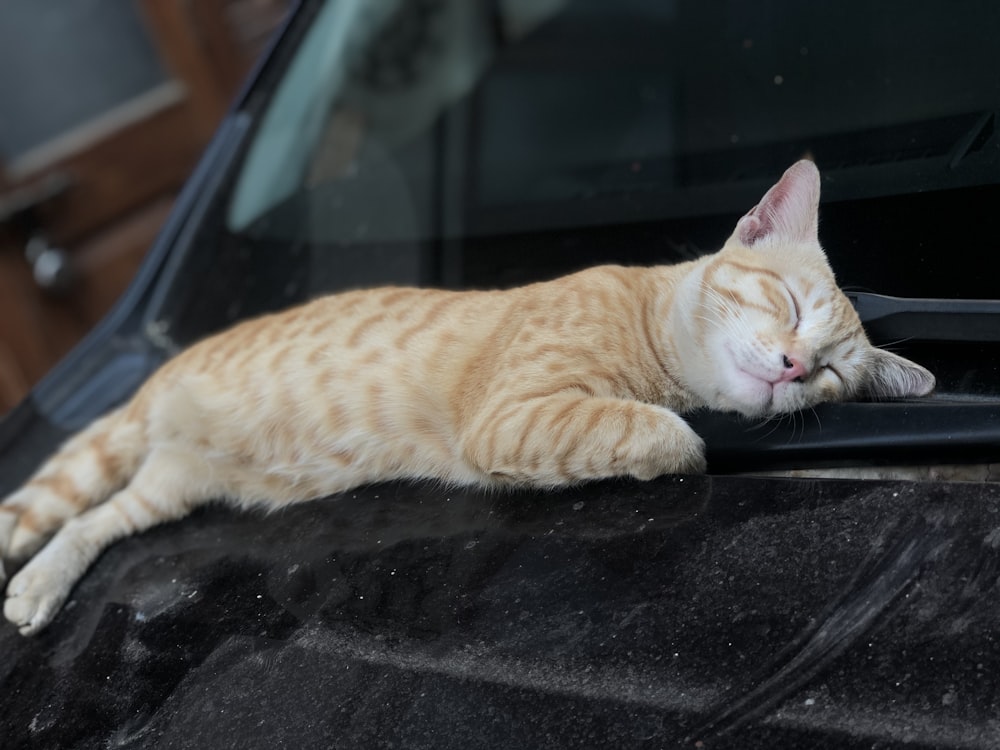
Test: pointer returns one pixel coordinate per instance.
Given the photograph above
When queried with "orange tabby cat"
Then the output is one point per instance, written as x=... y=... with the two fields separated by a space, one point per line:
x=553 y=383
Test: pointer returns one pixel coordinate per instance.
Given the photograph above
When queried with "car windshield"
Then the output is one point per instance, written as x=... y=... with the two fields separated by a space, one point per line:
x=486 y=143
x=409 y=130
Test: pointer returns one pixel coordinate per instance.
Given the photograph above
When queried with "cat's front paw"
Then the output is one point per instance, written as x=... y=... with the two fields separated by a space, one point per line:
x=692 y=459
x=689 y=454
x=34 y=596
x=672 y=447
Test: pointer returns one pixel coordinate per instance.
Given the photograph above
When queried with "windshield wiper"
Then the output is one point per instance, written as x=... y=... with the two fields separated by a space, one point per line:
x=894 y=319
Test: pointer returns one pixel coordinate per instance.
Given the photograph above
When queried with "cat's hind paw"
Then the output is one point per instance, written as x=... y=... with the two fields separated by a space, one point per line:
x=8 y=522
x=32 y=600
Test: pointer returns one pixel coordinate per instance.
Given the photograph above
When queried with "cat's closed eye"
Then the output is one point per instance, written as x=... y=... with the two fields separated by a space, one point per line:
x=796 y=310
x=827 y=367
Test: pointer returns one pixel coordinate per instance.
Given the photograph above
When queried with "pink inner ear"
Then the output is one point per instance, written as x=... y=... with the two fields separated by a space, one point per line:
x=787 y=210
x=750 y=229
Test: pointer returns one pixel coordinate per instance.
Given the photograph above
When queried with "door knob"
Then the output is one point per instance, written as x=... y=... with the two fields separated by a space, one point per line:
x=50 y=266
x=22 y=209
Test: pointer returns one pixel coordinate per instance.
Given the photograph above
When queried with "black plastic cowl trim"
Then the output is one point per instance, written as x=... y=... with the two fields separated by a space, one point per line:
x=854 y=434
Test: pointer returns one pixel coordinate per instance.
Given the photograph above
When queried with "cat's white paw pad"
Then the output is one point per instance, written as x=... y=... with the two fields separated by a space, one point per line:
x=31 y=602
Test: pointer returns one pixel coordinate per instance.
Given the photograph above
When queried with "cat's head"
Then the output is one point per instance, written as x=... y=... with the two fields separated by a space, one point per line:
x=767 y=331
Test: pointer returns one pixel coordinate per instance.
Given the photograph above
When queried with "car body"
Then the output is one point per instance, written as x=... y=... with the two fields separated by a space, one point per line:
x=463 y=144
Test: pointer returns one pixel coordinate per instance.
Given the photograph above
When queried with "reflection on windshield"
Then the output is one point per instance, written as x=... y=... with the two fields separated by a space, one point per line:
x=372 y=76
x=420 y=133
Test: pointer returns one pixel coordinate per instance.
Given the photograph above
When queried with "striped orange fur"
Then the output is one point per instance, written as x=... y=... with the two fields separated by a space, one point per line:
x=544 y=385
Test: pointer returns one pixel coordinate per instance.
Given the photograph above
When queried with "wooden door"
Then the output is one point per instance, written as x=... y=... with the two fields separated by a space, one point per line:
x=105 y=106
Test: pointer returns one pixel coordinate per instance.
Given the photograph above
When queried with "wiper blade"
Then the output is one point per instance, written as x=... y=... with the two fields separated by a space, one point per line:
x=896 y=319
x=901 y=433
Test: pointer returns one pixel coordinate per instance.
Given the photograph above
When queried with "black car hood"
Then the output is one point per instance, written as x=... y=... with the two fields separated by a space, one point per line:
x=683 y=612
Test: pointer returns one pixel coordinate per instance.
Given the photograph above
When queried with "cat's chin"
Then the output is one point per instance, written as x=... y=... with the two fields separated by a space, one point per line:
x=754 y=397
x=749 y=395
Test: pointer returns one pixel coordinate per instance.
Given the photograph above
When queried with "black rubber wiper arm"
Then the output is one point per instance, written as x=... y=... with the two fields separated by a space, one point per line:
x=895 y=319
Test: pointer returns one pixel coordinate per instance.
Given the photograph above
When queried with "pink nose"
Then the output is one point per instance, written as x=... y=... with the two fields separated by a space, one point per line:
x=794 y=370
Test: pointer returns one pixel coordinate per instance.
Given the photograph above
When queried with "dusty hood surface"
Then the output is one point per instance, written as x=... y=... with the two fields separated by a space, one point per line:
x=726 y=611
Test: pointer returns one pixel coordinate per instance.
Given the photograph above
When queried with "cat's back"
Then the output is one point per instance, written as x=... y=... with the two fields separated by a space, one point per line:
x=401 y=347
x=356 y=326
x=401 y=318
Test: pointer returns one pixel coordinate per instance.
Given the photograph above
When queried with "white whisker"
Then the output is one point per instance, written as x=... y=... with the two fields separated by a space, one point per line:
x=819 y=424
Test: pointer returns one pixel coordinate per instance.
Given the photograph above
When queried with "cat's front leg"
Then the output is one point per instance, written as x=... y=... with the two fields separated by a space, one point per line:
x=556 y=440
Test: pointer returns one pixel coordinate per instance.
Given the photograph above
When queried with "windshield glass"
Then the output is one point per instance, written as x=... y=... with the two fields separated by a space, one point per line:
x=485 y=143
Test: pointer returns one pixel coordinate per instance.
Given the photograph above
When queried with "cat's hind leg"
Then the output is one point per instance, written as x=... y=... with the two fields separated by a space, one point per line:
x=170 y=481
x=85 y=471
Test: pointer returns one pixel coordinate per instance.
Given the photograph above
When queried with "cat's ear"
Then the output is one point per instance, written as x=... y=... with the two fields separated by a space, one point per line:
x=788 y=212
x=892 y=376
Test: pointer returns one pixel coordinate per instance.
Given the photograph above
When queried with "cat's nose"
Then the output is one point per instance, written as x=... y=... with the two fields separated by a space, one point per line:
x=794 y=370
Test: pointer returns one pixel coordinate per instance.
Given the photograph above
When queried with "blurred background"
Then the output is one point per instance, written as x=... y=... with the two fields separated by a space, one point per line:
x=105 y=107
